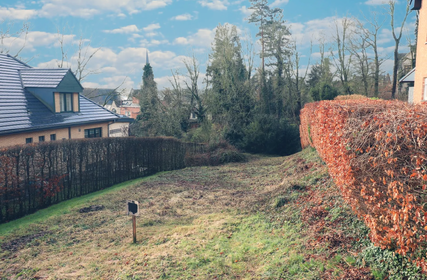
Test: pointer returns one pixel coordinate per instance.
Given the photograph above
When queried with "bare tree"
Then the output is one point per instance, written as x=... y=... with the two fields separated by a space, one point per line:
x=9 y=37
x=371 y=32
x=196 y=102
x=397 y=35
x=83 y=56
x=358 y=47
x=343 y=32
x=294 y=80
x=249 y=55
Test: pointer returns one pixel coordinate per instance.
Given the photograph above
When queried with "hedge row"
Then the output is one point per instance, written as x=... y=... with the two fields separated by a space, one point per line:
x=376 y=152
x=39 y=175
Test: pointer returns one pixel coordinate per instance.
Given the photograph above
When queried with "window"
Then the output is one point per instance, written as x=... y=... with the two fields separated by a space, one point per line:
x=93 y=132
x=425 y=89
x=115 y=131
x=52 y=137
x=41 y=138
x=29 y=140
x=66 y=102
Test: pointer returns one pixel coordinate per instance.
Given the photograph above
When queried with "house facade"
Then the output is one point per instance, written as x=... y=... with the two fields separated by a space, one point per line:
x=130 y=108
x=40 y=105
x=420 y=80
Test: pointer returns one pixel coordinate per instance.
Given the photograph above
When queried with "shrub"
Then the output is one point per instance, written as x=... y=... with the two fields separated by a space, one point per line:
x=323 y=91
x=376 y=151
x=271 y=136
x=215 y=154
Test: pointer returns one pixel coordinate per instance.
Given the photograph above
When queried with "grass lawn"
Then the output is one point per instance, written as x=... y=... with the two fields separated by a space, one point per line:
x=268 y=218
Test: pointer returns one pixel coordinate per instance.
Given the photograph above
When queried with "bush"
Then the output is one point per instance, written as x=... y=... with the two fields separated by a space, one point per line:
x=271 y=136
x=376 y=151
x=323 y=91
x=215 y=154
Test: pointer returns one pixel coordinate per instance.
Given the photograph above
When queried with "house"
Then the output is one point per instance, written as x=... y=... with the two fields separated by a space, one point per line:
x=420 y=80
x=407 y=82
x=38 y=105
x=129 y=108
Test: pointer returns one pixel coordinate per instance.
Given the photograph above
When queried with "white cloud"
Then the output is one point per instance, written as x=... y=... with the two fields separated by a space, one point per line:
x=215 y=4
x=145 y=43
x=151 y=34
x=183 y=17
x=33 y=40
x=376 y=2
x=246 y=11
x=203 y=38
x=87 y=9
x=16 y=14
x=278 y=3
x=315 y=31
x=151 y=27
x=124 y=30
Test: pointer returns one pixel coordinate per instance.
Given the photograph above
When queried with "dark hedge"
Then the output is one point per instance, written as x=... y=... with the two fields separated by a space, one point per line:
x=38 y=175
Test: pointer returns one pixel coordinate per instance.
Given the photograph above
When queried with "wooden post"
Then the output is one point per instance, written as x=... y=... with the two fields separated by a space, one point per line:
x=134 y=228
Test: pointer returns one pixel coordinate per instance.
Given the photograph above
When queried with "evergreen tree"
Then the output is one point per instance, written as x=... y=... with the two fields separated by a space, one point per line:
x=149 y=102
x=230 y=100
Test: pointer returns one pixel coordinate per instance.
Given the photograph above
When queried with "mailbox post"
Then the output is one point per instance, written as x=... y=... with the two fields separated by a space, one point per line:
x=132 y=208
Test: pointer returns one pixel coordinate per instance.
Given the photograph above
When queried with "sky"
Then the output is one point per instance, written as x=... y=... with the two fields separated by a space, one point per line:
x=119 y=32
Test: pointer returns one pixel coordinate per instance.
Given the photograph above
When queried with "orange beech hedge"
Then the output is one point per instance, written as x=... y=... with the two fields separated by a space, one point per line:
x=376 y=152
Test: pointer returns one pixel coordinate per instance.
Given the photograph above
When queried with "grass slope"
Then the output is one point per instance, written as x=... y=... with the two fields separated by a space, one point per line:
x=268 y=218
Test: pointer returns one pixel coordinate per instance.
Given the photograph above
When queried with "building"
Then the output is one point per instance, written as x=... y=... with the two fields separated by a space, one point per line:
x=38 y=105
x=129 y=108
x=407 y=82
x=420 y=81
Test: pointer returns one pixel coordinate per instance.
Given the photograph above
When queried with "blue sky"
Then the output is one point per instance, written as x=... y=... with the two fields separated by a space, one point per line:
x=120 y=31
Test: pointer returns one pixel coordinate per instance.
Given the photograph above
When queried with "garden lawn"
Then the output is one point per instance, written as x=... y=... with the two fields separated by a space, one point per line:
x=268 y=218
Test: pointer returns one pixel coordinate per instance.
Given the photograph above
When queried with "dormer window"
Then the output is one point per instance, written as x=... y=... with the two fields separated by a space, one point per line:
x=66 y=102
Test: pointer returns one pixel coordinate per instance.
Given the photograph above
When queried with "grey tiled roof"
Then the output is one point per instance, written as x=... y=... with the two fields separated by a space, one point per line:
x=44 y=78
x=21 y=111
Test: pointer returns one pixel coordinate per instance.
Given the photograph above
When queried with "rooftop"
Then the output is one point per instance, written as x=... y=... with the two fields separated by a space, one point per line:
x=22 y=111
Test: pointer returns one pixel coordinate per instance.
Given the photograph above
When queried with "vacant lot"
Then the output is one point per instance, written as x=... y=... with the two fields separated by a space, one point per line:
x=268 y=218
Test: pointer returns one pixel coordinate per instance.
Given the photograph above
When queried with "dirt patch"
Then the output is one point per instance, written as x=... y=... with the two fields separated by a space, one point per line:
x=92 y=208
x=19 y=243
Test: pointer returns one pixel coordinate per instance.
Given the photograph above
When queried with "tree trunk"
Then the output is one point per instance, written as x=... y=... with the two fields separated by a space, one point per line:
x=395 y=66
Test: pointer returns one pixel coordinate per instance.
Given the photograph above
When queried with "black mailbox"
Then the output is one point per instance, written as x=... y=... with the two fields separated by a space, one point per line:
x=133 y=208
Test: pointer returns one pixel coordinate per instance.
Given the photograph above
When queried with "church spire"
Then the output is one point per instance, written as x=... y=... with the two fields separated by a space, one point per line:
x=146 y=59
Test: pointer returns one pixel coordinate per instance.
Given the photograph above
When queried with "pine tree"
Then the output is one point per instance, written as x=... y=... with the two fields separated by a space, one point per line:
x=149 y=102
